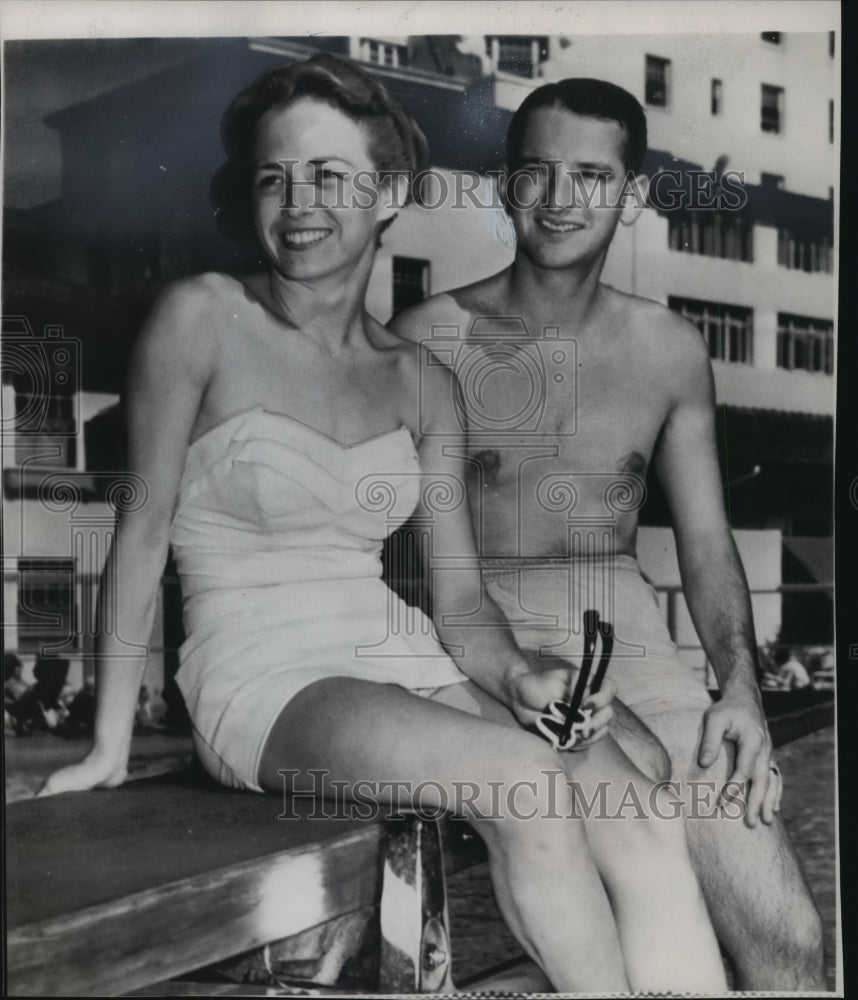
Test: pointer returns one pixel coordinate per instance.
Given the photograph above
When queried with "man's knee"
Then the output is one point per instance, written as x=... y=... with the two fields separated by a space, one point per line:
x=789 y=951
x=640 y=744
x=680 y=732
x=805 y=933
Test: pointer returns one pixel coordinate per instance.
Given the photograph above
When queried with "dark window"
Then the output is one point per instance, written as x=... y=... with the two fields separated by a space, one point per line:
x=656 y=84
x=520 y=55
x=713 y=234
x=45 y=603
x=831 y=35
x=831 y=121
x=410 y=282
x=808 y=253
x=383 y=53
x=805 y=344
x=772 y=108
x=54 y=437
x=727 y=329
x=774 y=37
x=716 y=97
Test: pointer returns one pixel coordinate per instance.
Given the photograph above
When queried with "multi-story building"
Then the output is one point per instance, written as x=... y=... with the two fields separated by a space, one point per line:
x=758 y=111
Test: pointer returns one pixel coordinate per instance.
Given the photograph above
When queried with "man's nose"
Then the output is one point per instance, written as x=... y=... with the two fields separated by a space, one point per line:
x=562 y=190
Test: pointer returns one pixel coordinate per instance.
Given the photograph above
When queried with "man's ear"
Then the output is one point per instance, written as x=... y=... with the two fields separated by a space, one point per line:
x=502 y=180
x=633 y=197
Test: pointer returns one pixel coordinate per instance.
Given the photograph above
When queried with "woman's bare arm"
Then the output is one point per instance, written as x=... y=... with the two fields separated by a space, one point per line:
x=170 y=369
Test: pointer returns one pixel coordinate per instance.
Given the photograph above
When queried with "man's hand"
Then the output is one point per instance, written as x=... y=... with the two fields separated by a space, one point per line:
x=532 y=692
x=742 y=722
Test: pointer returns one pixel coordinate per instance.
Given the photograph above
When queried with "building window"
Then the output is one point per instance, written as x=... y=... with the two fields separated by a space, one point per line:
x=831 y=35
x=52 y=439
x=410 y=282
x=773 y=37
x=716 y=97
x=805 y=344
x=656 y=88
x=383 y=53
x=811 y=254
x=45 y=603
x=520 y=55
x=727 y=329
x=713 y=234
x=831 y=121
x=772 y=108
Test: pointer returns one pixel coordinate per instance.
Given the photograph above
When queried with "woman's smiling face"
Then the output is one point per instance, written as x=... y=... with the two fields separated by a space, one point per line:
x=307 y=207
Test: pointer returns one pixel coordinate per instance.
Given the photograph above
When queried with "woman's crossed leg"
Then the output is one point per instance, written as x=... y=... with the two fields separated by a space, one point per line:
x=599 y=904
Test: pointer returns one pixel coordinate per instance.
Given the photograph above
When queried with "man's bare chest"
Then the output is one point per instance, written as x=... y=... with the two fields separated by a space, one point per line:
x=554 y=409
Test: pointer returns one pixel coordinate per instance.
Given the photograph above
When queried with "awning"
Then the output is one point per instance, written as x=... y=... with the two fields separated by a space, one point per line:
x=815 y=554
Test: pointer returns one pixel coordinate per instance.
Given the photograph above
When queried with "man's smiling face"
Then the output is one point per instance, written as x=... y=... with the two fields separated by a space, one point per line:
x=565 y=196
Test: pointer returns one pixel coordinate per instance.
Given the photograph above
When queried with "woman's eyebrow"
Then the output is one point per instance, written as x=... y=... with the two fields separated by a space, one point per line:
x=317 y=161
x=327 y=159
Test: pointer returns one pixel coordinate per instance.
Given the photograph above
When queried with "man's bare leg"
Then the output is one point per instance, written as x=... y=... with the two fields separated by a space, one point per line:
x=758 y=899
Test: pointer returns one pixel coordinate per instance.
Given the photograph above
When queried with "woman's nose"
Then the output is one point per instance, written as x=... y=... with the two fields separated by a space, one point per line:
x=300 y=191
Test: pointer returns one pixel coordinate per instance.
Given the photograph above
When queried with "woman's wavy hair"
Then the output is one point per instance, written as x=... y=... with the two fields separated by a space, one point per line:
x=394 y=139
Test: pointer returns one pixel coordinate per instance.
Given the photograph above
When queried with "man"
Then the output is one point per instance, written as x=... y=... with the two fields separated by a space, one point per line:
x=793 y=673
x=571 y=390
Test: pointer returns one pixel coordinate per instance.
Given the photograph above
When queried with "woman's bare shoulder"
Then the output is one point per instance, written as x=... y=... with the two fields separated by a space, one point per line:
x=200 y=294
x=182 y=326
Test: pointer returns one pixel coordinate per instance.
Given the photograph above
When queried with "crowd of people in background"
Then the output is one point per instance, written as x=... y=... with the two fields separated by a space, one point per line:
x=785 y=668
x=52 y=704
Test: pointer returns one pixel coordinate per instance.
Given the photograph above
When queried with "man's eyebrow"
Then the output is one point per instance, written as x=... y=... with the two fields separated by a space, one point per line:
x=593 y=165
x=527 y=161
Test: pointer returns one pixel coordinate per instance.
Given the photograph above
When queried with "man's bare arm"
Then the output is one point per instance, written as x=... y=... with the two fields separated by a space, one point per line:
x=714 y=582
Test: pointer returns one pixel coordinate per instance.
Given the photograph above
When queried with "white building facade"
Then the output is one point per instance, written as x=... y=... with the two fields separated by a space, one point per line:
x=760 y=285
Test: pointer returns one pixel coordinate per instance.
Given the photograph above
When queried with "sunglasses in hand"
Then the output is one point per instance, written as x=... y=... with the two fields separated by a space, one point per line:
x=566 y=724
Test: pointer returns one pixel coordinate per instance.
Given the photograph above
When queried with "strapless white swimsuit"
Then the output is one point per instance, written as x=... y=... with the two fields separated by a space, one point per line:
x=277 y=537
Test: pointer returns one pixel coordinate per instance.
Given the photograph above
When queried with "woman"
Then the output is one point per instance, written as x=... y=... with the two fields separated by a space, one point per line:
x=283 y=433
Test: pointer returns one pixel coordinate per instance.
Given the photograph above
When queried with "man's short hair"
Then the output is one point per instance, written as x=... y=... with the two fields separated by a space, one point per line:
x=591 y=99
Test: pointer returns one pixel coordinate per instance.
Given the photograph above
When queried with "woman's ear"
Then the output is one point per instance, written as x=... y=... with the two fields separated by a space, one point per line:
x=633 y=197
x=393 y=194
